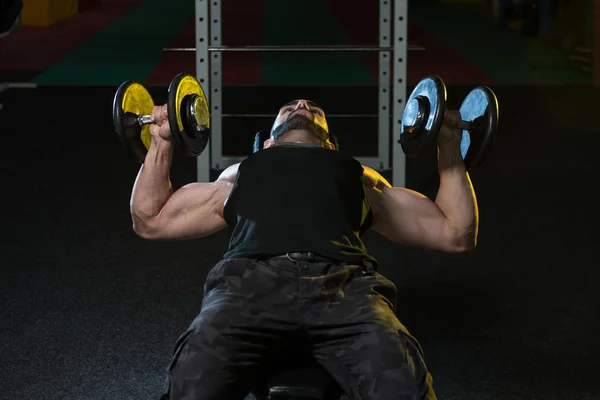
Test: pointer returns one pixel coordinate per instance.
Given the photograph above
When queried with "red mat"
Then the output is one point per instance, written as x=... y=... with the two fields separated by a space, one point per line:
x=240 y=25
x=360 y=25
x=35 y=49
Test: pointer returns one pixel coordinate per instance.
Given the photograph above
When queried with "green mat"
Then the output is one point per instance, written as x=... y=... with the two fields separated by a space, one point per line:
x=506 y=55
x=129 y=48
x=308 y=23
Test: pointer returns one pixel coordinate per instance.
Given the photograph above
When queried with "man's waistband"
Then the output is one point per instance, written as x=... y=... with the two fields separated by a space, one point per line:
x=309 y=256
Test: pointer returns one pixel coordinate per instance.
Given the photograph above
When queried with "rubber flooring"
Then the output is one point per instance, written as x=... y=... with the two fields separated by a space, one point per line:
x=90 y=311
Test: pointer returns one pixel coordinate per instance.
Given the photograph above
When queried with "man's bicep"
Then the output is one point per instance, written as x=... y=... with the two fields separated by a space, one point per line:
x=408 y=217
x=194 y=211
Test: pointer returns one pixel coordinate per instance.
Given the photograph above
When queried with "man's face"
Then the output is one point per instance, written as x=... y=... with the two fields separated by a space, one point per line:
x=299 y=115
x=306 y=108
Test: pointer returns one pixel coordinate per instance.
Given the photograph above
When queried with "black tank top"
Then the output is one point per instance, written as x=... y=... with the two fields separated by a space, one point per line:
x=298 y=198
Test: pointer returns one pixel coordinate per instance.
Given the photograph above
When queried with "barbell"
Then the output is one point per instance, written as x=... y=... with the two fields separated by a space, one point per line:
x=293 y=49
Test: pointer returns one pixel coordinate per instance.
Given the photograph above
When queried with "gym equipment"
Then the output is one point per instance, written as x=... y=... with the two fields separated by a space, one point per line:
x=189 y=118
x=259 y=139
x=423 y=116
x=300 y=377
x=293 y=49
x=391 y=47
x=479 y=114
x=132 y=106
x=425 y=112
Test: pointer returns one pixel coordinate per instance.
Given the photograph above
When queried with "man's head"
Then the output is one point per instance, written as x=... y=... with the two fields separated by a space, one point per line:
x=301 y=121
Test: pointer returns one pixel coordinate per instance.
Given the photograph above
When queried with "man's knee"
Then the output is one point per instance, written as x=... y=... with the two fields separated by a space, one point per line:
x=421 y=375
x=200 y=372
x=387 y=364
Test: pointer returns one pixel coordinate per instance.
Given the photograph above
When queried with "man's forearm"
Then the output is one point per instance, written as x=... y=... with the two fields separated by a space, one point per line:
x=456 y=196
x=153 y=187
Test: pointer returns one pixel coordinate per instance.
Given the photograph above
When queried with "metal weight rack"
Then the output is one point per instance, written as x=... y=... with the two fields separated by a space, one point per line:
x=392 y=51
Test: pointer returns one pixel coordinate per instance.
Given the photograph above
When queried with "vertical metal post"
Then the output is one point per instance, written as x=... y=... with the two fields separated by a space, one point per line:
x=216 y=92
x=399 y=98
x=596 y=44
x=385 y=36
x=202 y=74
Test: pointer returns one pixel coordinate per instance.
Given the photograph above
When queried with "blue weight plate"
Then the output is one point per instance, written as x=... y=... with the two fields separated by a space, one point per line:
x=423 y=116
x=480 y=108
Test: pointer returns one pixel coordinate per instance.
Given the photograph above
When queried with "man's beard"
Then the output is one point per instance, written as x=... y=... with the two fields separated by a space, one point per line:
x=297 y=122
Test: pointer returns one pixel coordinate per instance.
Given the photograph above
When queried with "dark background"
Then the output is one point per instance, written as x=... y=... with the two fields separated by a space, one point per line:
x=88 y=310
x=91 y=311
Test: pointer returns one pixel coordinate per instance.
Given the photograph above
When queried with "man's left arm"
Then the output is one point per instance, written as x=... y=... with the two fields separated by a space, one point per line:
x=450 y=223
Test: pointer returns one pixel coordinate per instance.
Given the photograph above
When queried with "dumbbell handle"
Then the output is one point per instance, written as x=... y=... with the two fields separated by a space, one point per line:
x=145 y=120
x=132 y=119
x=462 y=125
x=417 y=112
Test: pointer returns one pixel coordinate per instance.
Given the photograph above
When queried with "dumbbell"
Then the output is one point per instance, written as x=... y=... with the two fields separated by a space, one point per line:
x=188 y=114
x=425 y=112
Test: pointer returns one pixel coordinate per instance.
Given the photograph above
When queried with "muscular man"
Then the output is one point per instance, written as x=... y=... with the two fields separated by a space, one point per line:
x=296 y=272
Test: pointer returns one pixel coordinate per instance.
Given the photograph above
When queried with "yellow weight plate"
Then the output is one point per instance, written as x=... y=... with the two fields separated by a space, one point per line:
x=137 y=100
x=189 y=115
x=201 y=113
x=190 y=86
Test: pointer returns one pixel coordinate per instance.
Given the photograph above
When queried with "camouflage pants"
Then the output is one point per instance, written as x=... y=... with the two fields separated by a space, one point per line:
x=254 y=312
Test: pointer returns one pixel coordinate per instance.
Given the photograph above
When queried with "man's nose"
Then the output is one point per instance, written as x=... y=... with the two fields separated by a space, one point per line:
x=302 y=104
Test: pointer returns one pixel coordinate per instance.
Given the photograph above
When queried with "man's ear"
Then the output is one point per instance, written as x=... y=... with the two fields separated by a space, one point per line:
x=269 y=143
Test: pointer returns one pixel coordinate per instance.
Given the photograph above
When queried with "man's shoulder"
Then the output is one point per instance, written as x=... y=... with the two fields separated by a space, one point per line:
x=229 y=174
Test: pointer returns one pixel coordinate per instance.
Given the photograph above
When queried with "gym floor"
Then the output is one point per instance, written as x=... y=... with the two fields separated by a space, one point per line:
x=90 y=311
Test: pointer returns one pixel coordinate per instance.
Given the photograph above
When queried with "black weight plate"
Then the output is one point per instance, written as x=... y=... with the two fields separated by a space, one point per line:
x=480 y=108
x=189 y=116
x=426 y=103
x=132 y=99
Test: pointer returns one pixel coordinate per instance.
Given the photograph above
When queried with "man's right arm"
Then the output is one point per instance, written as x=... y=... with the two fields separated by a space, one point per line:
x=193 y=211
